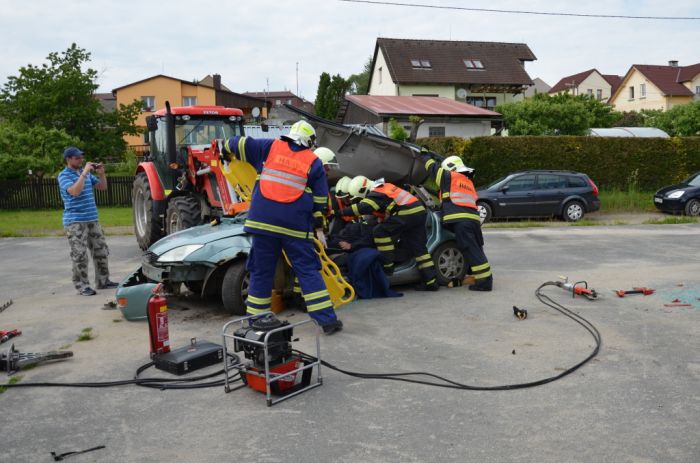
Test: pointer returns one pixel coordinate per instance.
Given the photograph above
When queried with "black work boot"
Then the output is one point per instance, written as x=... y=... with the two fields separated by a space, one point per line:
x=424 y=287
x=333 y=327
x=482 y=285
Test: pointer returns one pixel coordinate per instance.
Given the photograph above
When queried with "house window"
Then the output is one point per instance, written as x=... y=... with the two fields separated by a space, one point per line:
x=189 y=101
x=289 y=101
x=589 y=92
x=482 y=102
x=599 y=94
x=421 y=64
x=631 y=93
x=642 y=90
x=278 y=102
x=436 y=131
x=149 y=103
x=697 y=89
x=473 y=64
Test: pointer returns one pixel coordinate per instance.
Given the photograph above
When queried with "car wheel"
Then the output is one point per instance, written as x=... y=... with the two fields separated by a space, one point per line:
x=449 y=263
x=485 y=212
x=692 y=207
x=234 y=288
x=183 y=212
x=147 y=226
x=573 y=211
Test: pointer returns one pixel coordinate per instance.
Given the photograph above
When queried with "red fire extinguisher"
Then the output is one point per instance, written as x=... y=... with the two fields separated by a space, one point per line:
x=158 y=322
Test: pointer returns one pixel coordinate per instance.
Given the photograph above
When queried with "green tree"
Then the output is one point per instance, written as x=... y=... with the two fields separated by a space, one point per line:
x=321 y=103
x=396 y=131
x=562 y=114
x=330 y=95
x=359 y=83
x=681 y=120
x=60 y=95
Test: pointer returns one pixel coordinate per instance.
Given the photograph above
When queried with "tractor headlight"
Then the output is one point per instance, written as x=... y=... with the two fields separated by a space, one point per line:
x=675 y=194
x=180 y=253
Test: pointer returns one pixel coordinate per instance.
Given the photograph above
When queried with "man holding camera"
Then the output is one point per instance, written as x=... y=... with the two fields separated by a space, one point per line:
x=83 y=231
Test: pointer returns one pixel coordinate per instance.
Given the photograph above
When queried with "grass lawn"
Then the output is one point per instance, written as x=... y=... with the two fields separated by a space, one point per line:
x=48 y=222
x=626 y=201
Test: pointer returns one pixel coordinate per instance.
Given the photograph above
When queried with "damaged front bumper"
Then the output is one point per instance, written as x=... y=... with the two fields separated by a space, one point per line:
x=133 y=294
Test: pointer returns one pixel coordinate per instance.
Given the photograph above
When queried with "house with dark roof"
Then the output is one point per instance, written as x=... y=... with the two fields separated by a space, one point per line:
x=443 y=117
x=591 y=83
x=647 y=86
x=154 y=91
x=276 y=101
x=538 y=86
x=483 y=74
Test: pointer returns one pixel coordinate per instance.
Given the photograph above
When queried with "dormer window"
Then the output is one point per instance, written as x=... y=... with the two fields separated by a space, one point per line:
x=421 y=64
x=473 y=64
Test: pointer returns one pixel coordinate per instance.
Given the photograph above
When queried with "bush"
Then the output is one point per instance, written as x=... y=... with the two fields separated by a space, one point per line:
x=643 y=163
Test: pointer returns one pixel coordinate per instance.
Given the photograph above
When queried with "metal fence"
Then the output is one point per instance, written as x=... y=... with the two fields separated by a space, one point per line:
x=44 y=193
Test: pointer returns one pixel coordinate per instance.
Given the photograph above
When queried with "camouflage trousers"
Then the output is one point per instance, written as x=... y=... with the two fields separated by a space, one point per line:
x=84 y=236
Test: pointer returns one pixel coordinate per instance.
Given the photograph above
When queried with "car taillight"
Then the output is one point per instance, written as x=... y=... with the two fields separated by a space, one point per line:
x=595 y=188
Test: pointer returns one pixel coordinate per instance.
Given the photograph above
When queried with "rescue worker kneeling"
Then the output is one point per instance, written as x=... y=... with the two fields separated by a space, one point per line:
x=460 y=214
x=291 y=186
x=405 y=218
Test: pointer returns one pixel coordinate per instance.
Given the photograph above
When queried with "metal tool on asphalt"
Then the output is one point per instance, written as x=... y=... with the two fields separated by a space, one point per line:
x=5 y=305
x=580 y=288
x=12 y=360
x=644 y=291
x=678 y=303
x=6 y=335
x=521 y=314
x=271 y=366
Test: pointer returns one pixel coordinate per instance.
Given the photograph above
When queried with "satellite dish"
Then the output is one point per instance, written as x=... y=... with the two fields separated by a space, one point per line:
x=461 y=93
x=255 y=112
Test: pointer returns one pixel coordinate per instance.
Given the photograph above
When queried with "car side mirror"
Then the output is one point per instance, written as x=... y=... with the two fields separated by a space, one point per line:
x=504 y=188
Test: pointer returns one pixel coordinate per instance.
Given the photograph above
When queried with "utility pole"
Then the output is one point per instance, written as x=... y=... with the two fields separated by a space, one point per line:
x=297 y=78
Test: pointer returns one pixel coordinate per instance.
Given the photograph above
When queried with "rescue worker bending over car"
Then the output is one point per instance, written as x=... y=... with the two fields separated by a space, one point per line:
x=291 y=186
x=405 y=218
x=460 y=214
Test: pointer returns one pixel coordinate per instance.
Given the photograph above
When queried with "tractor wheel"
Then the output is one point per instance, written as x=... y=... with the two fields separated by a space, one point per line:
x=234 y=289
x=183 y=212
x=147 y=223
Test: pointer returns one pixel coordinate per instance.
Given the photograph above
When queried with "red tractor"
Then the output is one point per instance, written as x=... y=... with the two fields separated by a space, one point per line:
x=180 y=183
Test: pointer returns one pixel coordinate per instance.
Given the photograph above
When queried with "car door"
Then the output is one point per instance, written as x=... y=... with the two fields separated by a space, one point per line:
x=516 y=197
x=551 y=191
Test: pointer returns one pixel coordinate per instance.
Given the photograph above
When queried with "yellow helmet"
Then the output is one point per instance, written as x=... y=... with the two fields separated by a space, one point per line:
x=326 y=156
x=360 y=186
x=341 y=187
x=302 y=133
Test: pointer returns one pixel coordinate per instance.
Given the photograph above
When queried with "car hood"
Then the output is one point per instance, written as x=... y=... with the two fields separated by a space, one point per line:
x=202 y=234
x=678 y=186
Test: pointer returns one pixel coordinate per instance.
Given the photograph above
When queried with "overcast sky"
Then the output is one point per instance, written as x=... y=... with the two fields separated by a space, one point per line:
x=251 y=42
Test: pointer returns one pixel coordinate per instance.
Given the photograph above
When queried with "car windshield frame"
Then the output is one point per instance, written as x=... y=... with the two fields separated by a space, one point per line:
x=693 y=180
x=195 y=131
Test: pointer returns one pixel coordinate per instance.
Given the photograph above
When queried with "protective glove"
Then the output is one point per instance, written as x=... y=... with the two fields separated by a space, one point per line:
x=321 y=237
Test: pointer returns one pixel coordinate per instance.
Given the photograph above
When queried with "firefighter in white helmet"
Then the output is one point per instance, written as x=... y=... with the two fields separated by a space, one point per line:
x=460 y=214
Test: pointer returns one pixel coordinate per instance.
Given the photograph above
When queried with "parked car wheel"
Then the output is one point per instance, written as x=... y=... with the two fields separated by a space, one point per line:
x=449 y=263
x=147 y=226
x=183 y=212
x=485 y=212
x=692 y=207
x=574 y=211
x=234 y=289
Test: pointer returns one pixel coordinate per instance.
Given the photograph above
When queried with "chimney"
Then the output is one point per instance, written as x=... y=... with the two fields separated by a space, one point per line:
x=217 y=81
x=673 y=63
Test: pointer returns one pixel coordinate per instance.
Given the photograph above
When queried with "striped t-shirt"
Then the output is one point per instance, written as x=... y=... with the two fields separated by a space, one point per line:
x=81 y=208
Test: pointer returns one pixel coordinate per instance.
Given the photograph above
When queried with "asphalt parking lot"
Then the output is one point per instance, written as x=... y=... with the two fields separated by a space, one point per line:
x=638 y=401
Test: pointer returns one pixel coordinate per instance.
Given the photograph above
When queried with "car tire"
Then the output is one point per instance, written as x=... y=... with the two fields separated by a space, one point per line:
x=147 y=226
x=485 y=212
x=574 y=211
x=692 y=207
x=183 y=212
x=234 y=288
x=449 y=263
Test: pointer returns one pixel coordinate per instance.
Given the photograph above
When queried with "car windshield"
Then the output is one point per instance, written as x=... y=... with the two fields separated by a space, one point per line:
x=497 y=183
x=694 y=180
x=203 y=131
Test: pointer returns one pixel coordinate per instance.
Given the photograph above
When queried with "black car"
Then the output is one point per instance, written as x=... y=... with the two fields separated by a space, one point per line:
x=543 y=193
x=681 y=198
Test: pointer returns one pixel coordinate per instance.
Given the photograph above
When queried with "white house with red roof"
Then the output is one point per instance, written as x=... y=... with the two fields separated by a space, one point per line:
x=443 y=117
x=648 y=86
x=591 y=82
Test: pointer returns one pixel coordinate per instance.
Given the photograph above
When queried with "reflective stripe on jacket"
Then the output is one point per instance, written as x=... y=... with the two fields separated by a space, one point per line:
x=402 y=202
x=462 y=191
x=285 y=173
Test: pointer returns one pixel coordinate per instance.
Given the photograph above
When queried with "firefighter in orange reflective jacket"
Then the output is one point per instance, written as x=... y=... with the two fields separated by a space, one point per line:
x=291 y=186
x=404 y=218
x=460 y=214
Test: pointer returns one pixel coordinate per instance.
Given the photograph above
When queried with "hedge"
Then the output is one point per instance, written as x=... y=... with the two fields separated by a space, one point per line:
x=643 y=163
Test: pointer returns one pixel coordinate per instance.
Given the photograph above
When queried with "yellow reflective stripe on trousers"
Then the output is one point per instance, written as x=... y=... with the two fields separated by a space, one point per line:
x=476 y=268
x=461 y=215
x=320 y=199
x=320 y=306
x=241 y=149
x=276 y=229
x=423 y=258
x=413 y=210
x=252 y=311
x=382 y=240
x=316 y=295
x=426 y=265
x=259 y=300
x=388 y=247
x=481 y=276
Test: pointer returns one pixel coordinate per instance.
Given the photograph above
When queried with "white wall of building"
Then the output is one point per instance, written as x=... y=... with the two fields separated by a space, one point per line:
x=381 y=78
